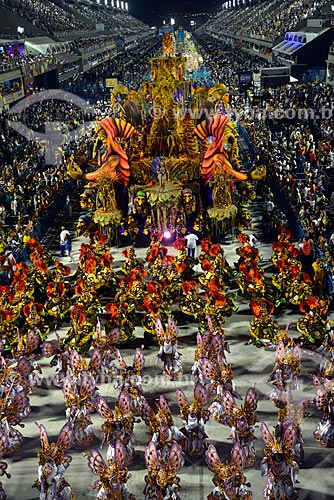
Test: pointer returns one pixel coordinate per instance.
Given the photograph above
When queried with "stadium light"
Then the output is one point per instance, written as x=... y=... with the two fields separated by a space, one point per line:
x=126 y=6
x=117 y=4
x=172 y=21
x=122 y=4
x=112 y=3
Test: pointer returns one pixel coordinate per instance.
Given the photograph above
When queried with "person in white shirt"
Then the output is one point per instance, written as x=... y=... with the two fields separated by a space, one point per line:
x=253 y=241
x=62 y=237
x=269 y=206
x=331 y=240
x=191 y=239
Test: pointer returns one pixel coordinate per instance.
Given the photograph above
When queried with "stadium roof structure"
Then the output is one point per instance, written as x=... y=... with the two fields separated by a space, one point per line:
x=308 y=46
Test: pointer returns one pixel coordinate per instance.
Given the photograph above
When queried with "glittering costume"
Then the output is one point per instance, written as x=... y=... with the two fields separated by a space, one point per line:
x=130 y=379
x=194 y=417
x=112 y=476
x=241 y=420
x=53 y=463
x=118 y=425
x=161 y=479
x=80 y=397
x=278 y=465
x=324 y=400
x=229 y=480
x=168 y=353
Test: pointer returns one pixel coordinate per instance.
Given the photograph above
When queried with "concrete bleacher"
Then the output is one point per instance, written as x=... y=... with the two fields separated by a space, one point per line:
x=9 y=21
x=67 y=21
x=264 y=20
x=261 y=27
x=47 y=15
x=283 y=16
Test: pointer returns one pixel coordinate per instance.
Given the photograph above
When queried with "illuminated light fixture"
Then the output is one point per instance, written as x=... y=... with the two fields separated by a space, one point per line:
x=126 y=6
x=167 y=235
x=105 y=2
x=122 y=5
x=172 y=21
x=117 y=4
x=112 y=3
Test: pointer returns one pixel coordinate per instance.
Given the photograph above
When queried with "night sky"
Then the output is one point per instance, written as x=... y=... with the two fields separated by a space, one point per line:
x=153 y=12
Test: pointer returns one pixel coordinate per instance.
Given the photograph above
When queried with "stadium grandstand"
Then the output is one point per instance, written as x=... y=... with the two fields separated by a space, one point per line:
x=44 y=43
x=252 y=21
x=66 y=20
x=262 y=26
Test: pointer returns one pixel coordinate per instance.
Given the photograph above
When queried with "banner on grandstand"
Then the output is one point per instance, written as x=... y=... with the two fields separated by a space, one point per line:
x=111 y=82
x=245 y=78
x=45 y=64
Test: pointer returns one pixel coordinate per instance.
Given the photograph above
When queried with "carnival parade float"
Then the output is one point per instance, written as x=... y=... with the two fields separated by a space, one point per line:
x=167 y=161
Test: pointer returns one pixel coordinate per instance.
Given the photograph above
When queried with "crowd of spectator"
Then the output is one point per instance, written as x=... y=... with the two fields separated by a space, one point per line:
x=10 y=62
x=129 y=69
x=267 y=20
x=102 y=16
x=298 y=149
x=10 y=87
x=112 y=21
x=29 y=185
x=291 y=131
x=284 y=16
x=127 y=20
x=92 y=43
x=96 y=58
x=54 y=19
x=46 y=15
x=225 y=65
